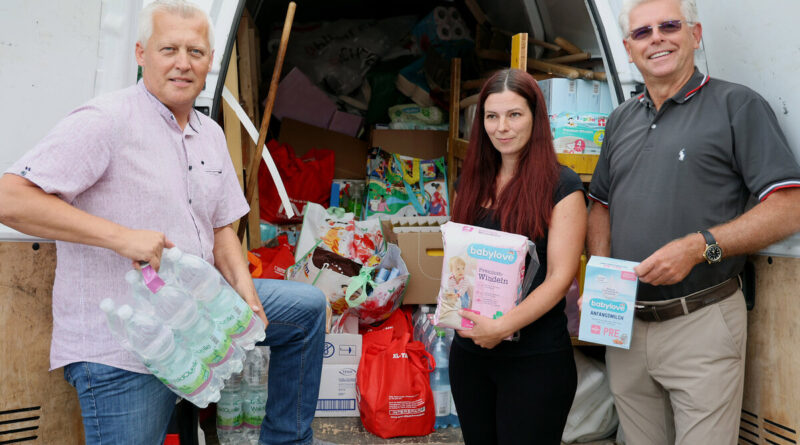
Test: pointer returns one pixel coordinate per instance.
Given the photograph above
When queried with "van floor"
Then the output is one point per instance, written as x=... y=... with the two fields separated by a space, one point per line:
x=349 y=430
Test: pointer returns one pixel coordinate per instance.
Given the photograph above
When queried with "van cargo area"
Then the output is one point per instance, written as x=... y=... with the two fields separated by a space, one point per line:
x=360 y=71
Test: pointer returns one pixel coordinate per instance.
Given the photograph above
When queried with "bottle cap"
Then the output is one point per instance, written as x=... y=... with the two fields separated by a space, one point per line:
x=107 y=305
x=132 y=276
x=125 y=312
x=172 y=254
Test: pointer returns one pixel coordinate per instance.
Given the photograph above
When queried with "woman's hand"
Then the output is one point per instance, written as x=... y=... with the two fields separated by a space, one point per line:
x=486 y=332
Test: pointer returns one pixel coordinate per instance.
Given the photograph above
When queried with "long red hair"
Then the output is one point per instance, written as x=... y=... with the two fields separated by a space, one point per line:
x=525 y=204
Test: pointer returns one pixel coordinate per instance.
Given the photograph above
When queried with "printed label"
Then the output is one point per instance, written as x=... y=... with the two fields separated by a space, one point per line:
x=496 y=254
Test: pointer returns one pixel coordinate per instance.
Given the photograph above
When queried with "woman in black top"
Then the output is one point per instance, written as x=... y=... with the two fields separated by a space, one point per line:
x=519 y=392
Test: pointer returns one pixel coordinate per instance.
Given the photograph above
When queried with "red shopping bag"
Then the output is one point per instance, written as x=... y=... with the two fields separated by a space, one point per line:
x=270 y=262
x=393 y=386
x=307 y=178
x=398 y=323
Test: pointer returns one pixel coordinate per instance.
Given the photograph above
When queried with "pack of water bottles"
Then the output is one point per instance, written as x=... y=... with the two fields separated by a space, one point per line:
x=186 y=324
x=437 y=341
x=241 y=407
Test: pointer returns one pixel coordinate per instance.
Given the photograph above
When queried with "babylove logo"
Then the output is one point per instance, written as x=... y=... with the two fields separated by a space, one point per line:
x=608 y=305
x=496 y=254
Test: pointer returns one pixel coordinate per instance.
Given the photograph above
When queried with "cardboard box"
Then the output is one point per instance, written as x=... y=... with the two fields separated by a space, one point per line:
x=424 y=144
x=588 y=96
x=341 y=349
x=609 y=296
x=423 y=254
x=337 y=392
x=350 y=154
x=560 y=95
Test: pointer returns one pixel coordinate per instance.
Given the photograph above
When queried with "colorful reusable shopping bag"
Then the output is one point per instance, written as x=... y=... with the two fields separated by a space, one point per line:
x=405 y=186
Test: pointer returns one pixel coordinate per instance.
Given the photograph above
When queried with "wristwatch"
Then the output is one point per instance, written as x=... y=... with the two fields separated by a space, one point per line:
x=713 y=253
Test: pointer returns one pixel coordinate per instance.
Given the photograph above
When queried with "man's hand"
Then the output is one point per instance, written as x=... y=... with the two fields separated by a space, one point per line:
x=671 y=263
x=255 y=304
x=486 y=333
x=142 y=246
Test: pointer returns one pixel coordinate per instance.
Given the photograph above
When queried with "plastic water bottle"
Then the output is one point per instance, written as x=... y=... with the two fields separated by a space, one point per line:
x=196 y=331
x=440 y=380
x=115 y=324
x=207 y=286
x=254 y=392
x=229 y=412
x=174 y=365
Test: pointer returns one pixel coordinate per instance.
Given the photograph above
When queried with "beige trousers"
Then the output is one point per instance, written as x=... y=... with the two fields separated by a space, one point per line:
x=681 y=382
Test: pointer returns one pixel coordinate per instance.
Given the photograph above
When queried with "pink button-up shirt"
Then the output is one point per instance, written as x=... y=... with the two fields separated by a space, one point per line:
x=123 y=157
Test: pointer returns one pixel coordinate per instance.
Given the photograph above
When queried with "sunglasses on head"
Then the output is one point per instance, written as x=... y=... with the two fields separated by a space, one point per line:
x=668 y=27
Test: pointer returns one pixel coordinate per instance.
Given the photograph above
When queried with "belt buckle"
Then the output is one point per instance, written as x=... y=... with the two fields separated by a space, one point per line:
x=648 y=309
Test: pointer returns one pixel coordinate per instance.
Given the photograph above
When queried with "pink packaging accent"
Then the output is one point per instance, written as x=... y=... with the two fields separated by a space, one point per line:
x=483 y=271
x=151 y=279
x=298 y=98
x=346 y=123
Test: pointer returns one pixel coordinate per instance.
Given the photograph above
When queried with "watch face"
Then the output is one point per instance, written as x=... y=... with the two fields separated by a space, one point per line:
x=713 y=253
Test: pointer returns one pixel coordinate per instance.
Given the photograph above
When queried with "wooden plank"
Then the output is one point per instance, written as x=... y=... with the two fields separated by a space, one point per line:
x=580 y=57
x=252 y=180
x=455 y=109
x=231 y=124
x=233 y=133
x=581 y=164
x=543 y=44
x=476 y=11
x=244 y=68
x=567 y=46
x=45 y=399
x=460 y=148
x=519 y=51
x=772 y=367
x=248 y=94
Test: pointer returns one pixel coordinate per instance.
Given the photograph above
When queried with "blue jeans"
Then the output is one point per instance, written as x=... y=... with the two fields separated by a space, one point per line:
x=119 y=406
x=123 y=407
x=295 y=335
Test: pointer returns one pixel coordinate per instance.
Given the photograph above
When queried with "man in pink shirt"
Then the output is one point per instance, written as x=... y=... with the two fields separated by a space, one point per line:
x=114 y=183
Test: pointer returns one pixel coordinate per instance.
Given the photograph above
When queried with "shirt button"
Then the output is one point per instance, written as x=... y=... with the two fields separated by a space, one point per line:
x=190 y=201
x=653 y=126
x=190 y=168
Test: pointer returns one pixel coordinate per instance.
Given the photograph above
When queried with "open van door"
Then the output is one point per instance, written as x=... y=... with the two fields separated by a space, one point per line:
x=624 y=79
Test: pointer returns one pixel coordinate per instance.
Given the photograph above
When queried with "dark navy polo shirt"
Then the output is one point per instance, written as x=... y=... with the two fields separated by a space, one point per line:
x=689 y=166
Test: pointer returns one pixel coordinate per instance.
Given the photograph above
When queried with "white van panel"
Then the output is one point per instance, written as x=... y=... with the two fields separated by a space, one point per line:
x=56 y=55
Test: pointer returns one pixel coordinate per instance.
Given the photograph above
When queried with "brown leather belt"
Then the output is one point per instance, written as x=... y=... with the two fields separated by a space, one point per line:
x=666 y=310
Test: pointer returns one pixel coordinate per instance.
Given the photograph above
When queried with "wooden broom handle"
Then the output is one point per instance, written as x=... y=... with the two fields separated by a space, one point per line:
x=255 y=159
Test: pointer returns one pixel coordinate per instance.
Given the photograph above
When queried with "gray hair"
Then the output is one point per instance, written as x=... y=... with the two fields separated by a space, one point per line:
x=688 y=9
x=178 y=7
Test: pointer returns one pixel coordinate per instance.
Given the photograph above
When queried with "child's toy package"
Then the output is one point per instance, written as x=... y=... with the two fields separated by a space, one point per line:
x=483 y=271
x=609 y=296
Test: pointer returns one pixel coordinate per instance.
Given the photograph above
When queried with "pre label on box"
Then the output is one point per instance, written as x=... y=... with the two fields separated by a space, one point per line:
x=609 y=296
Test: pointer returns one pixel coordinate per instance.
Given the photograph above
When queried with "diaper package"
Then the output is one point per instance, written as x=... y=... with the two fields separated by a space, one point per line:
x=483 y=271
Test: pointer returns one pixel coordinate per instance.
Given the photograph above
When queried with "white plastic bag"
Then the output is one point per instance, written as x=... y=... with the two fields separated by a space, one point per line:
x=593 y=415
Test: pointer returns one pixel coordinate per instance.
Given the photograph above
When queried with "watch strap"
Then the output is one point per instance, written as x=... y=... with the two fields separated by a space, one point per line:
x=708 y=237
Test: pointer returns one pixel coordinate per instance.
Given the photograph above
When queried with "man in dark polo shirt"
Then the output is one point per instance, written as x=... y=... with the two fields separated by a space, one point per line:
x=677 y=168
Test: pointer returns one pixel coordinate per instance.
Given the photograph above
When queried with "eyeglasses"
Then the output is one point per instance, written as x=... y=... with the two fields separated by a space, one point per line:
x=668 y=27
